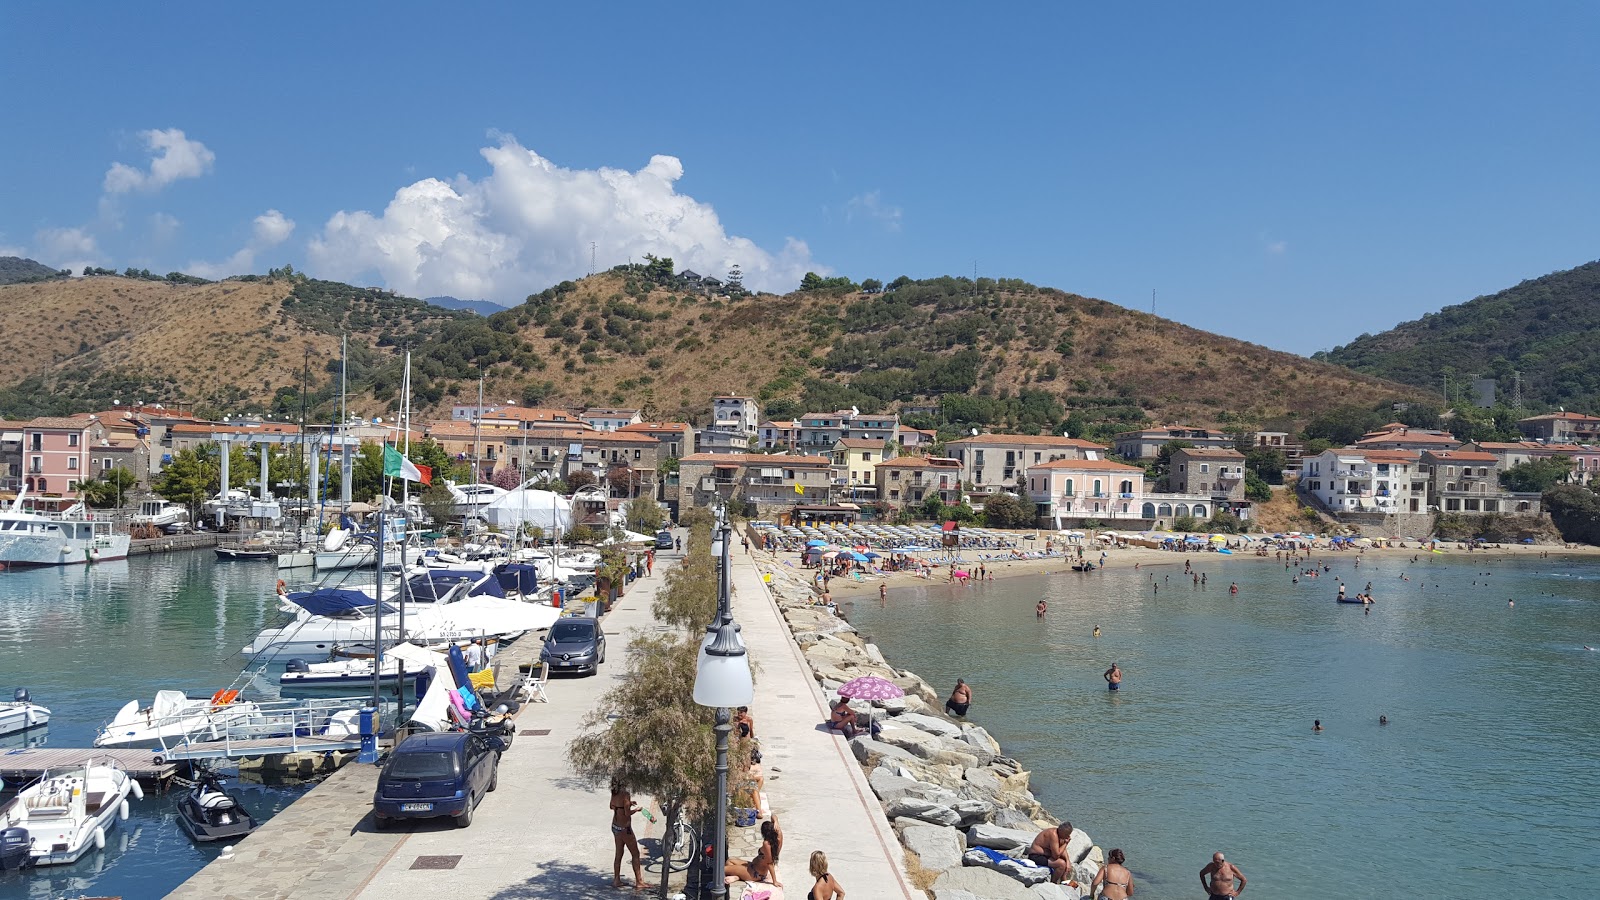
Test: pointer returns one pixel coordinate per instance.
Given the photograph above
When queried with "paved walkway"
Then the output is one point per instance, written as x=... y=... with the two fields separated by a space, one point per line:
x=545 y=833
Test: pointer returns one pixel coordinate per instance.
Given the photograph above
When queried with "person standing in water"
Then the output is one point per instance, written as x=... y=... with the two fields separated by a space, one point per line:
x=960 y=699
x=1040 y=609
x=1097 y=631
x=1222 y=874
x=1113 y=677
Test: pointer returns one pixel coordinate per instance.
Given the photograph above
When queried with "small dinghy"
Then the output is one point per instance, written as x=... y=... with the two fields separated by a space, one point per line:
x=20 y=714
x=61 y=817
x=211 y=813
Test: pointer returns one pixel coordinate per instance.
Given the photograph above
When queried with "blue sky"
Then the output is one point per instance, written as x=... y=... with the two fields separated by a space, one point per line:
x=1291 y=176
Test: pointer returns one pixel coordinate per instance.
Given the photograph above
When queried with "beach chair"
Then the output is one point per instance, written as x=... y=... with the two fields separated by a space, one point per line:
x=531 y=688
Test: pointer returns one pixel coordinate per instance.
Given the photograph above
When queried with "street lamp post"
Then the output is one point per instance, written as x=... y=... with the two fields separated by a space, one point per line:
x=722 y=681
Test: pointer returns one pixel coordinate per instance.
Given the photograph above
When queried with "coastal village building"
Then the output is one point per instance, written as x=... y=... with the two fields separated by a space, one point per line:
x=464 y=441
x=916 y=438
x=716 y=440
x=548 y=453
x=1468 y=481
x=1350 y=480
x=1070 y=489
x=1585 y=457
x=1396 y=436
x=1280 y=441
x=610 y=419
x=626 y=463
x=11 y=456
x=673 y=439
x=57 y=454
x=820 y=431
x=855 y=462
x=1147 y=443
x=520 y=414
x=778 y=435
x=1561 y=428
x=1216 y=473
x=731 y=412
x=766 y=479
x=911 y=480
x=992 y=462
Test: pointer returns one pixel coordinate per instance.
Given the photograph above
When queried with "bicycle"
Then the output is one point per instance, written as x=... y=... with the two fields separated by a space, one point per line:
x=681 y=845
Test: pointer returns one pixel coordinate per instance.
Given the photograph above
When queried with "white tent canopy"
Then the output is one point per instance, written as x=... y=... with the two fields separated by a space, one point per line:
x=526 y=506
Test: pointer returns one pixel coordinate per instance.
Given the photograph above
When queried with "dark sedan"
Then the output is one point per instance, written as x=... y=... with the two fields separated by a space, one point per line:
x=574 y=645
x=437 y=774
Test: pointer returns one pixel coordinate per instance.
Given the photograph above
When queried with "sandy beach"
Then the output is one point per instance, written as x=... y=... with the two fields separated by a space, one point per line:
x=1144 y=557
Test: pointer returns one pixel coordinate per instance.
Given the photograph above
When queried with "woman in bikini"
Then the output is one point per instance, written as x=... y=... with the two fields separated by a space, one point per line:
x=1114 y=878
x=825 y=887
x=622 y=810
x=762 y=868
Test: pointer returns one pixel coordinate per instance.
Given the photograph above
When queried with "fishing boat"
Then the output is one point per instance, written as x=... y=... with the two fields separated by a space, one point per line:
x=209 y=813
x=74 y=535
x=20 y=714
x=174 y=716
x=57 y=820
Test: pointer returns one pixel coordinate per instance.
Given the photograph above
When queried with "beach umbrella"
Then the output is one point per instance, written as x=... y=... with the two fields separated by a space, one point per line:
x=870 y=687
x=1219 y=538
x=830 y=554
x=858 y=557
x=871 y=555
x=814 y=542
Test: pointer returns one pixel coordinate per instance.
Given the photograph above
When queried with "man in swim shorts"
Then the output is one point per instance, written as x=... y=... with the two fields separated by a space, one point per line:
x=960 y=699
x=1223 y=874
x=1049 y=849
x=1113 y=678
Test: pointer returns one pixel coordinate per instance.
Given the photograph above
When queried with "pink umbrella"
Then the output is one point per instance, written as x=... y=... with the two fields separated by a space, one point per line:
x=870 y=687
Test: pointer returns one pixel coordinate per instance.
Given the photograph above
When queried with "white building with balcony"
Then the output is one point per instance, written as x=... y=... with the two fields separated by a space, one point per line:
x=1000 y=461
x=1070 y=489
x=1371 y=481
x=730 y=412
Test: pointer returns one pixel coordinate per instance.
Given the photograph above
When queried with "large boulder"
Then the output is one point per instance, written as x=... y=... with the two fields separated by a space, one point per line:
x=973 y=811
x=889 y=786
x=926 y=810
x=916 y=687
x=1006 y=817
x=868 y=751
x=1079 y=845
x=980 y=882
x=936 y=848
x=978 y=737
x=1006 y=840
x=957 y=894
x=931 y=725
x=1025 y=871
x=983 y=782
x=918 y=743
x=1044 y=890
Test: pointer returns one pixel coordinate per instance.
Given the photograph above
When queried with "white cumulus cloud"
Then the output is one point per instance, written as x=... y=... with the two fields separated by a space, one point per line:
x=529 y=224
x=269 y=229
x=173 y=157
x=871 y=206
x=67 y=248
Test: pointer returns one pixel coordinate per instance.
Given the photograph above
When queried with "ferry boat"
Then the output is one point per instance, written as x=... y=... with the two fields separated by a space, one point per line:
x=74 y=535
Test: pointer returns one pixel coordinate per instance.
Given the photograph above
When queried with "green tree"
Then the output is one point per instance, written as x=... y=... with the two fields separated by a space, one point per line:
x=1575 y=510
x=1162 y=466
x=644 y=514
x=1224 y=522
x=1536 y=475
x=1185 y=523
x=1267 y=463
x=439 y=503
x=191 y=478
x=1006 y=511
x=1343 y=425
x=871 y=285
x=1256 y=489
x=110 y=489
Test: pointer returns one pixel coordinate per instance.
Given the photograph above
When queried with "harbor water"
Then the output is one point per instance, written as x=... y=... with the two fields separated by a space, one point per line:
x=85 y=640
x=1484 y=783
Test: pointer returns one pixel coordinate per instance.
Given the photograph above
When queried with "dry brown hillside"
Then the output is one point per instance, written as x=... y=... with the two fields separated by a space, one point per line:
x=994 y=353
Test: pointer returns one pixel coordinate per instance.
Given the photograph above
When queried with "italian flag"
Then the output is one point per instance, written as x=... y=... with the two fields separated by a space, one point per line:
x=395 y=465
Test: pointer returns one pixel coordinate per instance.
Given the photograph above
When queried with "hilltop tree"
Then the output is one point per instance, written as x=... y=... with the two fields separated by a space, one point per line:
x=735 y=280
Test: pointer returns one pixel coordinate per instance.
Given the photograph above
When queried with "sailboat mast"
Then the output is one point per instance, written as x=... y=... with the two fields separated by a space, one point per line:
x=477 y=434
x=405 y=427
x=377 y=617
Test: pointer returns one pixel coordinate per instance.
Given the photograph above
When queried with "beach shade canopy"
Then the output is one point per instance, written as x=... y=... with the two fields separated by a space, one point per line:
x=830 y=554
x=1219 y=538
x=871 y=555
x=816 y=543
x=857 y=556
x=870 y=687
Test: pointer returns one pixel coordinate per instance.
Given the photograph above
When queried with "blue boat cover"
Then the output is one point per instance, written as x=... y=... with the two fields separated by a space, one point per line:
x=519 y=577
x=458 y=668
x=430 y=586
x=334 y=601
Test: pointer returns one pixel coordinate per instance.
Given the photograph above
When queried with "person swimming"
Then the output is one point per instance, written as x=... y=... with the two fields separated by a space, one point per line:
x=1383 y=720
x=1316 y=725
x=1097 y=631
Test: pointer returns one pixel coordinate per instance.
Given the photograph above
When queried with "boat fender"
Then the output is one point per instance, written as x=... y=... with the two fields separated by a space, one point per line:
x=122 y=811
x=138 y=790
x=99 y=838
x=158 y=760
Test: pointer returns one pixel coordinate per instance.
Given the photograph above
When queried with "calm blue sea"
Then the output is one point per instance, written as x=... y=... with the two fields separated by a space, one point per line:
x=84 y=641
x=1485 y=782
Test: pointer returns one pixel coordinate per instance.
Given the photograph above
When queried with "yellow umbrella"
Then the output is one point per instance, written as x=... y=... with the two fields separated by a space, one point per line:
x=1219 y=538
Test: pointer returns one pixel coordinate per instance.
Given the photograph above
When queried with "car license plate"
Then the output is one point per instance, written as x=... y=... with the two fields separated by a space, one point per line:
x=416 y=807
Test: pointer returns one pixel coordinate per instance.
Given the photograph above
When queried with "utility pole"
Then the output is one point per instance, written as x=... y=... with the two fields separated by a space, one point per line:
x=1152 y=301
x=591 y=257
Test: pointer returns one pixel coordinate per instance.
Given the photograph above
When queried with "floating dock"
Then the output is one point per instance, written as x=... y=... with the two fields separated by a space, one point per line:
x=17 y=766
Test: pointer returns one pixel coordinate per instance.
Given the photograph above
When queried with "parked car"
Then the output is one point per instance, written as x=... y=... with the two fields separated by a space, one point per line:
x=437 y=774
x=663 y=540
x=575 y=644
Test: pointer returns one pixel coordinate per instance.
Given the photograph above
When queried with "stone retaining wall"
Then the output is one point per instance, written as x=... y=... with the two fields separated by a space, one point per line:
x=946 y=786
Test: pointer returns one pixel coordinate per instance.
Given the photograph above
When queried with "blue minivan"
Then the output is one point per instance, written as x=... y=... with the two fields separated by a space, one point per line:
x=437 y=774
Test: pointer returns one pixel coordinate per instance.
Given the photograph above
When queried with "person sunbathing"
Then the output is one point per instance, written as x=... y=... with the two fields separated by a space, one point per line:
x=843 y=719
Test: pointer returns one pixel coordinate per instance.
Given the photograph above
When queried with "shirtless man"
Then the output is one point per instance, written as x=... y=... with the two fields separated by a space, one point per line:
x=622 y=810
x=1040 y=609
x=1050 y=849
x=883 y=594
x=960 y=699
x=1222 y=874
x=1113 y=678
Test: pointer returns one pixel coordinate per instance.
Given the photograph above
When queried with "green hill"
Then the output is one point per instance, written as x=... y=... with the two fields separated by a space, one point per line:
x=1546 y=328
x=17 y=270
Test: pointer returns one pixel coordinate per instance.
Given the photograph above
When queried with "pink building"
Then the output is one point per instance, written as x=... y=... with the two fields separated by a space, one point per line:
x=57 y=454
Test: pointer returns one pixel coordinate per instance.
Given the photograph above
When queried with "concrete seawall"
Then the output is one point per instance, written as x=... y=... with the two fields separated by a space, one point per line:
x=171 y=543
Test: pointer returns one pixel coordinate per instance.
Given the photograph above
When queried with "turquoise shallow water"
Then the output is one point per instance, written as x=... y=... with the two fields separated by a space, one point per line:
x=85 y=641
x=1486 y=781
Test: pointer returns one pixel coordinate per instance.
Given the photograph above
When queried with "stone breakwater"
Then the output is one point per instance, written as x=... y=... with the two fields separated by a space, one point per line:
x=962 y=809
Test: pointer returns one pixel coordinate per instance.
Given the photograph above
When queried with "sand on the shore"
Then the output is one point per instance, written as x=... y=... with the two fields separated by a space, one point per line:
x=1145 y=557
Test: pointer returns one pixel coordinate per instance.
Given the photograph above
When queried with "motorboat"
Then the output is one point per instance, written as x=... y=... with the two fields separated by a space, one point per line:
x=174 y=716
x=244 y=552
x=58 y=819
x=163 y=514
x=471 y=500
x=208 y=812
x=72 y=536
x=20 y=714
x=341 y=674
x=345 y=548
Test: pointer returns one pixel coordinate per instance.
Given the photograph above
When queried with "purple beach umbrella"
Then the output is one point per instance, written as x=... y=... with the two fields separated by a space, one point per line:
x=870 y=687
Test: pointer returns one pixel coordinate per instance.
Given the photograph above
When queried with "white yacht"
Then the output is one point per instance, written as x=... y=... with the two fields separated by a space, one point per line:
x=20 y=714
x=174 y=716
x=43 y=539
x=65 y=815
x=473 y=499
x=163 y=514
